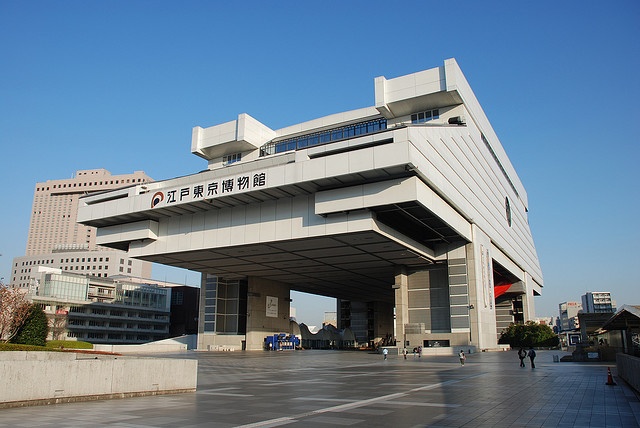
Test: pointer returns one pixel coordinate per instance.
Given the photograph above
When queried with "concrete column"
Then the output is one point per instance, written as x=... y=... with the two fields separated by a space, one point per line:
x=527 y=299
x=401 y=286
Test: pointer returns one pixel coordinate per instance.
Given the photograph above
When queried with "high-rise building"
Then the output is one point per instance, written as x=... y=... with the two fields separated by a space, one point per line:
x=569 y=315
x=598 y=302
x=55 y=238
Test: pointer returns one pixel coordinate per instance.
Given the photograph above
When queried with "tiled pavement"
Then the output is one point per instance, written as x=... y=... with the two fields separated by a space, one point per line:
x=333 y=388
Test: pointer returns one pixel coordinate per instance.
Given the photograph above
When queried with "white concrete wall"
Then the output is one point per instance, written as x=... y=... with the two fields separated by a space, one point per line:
x=58 y=377
x=145 y=348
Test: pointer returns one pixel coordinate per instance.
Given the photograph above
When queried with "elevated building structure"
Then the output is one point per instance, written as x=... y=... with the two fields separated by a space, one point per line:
x=409 y=212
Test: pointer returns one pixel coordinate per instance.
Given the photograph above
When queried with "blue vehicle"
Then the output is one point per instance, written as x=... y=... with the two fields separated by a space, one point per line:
x=281 y=342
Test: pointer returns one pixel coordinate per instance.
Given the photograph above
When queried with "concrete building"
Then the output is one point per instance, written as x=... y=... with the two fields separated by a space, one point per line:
x=598 y=302
x=57 y=240
x=569 y=315
x=409 y=212
x=101 y=310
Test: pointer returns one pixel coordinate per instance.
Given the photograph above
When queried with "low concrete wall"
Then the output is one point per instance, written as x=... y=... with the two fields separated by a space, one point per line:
x=222 y=342
x=629 y=369
x=174 y=344
x=30 y=378
x=150 y=348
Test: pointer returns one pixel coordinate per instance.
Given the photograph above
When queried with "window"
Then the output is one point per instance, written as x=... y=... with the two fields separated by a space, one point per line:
x=425 y=116
x=229 y=159
x=324 y=137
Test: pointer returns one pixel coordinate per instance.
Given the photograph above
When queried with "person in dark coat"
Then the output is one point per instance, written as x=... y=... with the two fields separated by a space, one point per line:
x=532 y=356
x=522 y=354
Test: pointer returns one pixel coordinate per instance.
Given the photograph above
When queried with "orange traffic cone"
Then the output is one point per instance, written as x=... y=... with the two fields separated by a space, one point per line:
x=609 y=377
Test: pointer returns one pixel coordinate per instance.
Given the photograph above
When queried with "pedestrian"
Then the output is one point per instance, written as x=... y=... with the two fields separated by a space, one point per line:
x=419 y=351
x=415 y=352
x=532 y=356
x=522 y=354
x=385 y=351
x=404 y=351
x=462 y=357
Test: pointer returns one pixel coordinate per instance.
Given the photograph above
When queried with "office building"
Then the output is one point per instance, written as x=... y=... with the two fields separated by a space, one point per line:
x=101 y=310
x=409 y=212
x=55 y=238
x=568 y=312
x=598 y=302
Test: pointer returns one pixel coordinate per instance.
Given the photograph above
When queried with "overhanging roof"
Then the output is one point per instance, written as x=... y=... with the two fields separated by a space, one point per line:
x=627 y=318
x=360 y=266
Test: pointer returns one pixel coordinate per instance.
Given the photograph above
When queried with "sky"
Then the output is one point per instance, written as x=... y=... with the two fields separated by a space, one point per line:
x=120 y=84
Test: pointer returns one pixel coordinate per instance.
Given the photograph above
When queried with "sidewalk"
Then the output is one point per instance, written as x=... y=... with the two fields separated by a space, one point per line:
x=337 y=388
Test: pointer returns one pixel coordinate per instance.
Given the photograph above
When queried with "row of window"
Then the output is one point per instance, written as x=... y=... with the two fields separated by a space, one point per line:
x=229 y=159
x=324 y=137
x=425 y=116
x=105 y=324
x=118 y=313
x=71 y=260
x=95 y=183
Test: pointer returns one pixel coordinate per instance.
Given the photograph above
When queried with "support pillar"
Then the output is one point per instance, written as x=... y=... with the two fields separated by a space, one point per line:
x=401 y=286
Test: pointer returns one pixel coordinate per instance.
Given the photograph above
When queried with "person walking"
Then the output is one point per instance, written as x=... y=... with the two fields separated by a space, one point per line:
x=404 y=351
x=385 y=351
x=532 y=356
x=522 y=354
x=462 y=357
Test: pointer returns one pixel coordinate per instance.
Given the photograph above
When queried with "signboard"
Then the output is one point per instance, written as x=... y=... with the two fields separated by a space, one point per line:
x=573 y=338
x=210 y=189
x=272 y=306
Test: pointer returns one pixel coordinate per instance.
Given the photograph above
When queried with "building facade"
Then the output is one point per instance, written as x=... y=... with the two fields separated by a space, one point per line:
x=57 y=240
x=569 y=315
x=101 y=310
x=409 y=212
x=598 y=302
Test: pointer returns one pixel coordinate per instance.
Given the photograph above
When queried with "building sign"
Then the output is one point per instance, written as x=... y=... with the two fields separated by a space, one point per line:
x=487 y=277
x=272 y=307
x=207 y=190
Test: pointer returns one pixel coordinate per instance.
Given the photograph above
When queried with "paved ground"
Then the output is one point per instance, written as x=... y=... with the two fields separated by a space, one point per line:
x=332 y=388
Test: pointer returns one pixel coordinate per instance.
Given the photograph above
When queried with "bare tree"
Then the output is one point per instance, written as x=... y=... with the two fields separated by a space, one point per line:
x=58 y=324
x=14 y=309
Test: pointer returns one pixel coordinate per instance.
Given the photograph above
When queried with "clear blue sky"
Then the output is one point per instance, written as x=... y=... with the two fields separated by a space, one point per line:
x=120 y=84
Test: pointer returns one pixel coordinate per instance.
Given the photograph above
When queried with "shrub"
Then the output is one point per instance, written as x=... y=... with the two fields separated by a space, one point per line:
x=529 y=334
x=69 y=344
x=35 y=328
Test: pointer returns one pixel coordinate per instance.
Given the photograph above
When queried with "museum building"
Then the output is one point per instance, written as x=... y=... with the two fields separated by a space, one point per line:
x=408 y=212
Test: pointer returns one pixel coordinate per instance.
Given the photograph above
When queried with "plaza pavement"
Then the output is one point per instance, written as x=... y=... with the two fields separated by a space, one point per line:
x=359 y=389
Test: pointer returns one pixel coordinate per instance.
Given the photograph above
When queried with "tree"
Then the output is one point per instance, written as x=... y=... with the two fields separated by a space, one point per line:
x=34 y=329
x=58 y=325
x=529 y=334
x=14 y=309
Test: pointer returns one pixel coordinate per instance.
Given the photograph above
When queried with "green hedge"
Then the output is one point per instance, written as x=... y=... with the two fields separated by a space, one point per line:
x=19 y=347
x=69 y=344
x=54 y=345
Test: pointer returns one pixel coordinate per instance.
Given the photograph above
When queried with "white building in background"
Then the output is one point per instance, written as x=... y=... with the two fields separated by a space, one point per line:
x=598 y=302
x=568 y=312
x=57 y=240
x=101 y=310
x=409 y=212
